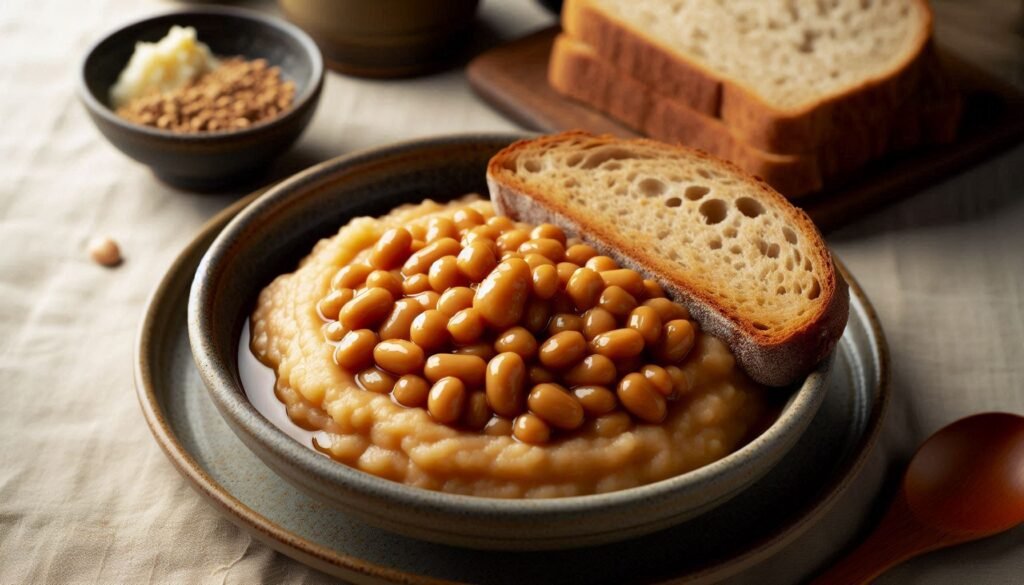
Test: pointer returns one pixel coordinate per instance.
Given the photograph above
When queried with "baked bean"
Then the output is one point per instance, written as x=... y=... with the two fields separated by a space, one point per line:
x=446 y=399
x=616 y=301
x=618 y=343
x=545 y=281
x=555 y=406
x=510 y=255
x=416 y=246
x=375 y=380
x=517 y=340
x=482 y=233
x=467 y=218
x=411 y=390
x=533 y=260
x=429 y=330
x=562 y=350
x=367 y=308
x=440 y=227
x=455 y=299
x=595 y=400
x=667 y=309
x=529 y=428
x=565 y=322
x=536 y=315
x=385 y=280
x=659 y=379
x=399 y=356
x=468 y=368
x=482 y=350
x=350 y=276
x=676 y=340
x=476 y=261
x=547 y=247
x=550 y=231
x=392 y=249
x=584 y=288
x=629 y=280
x=355 y=350
x=444 y=274
x=652 y=290
x=648 y=322
x=329 y=306
x=502 y=296
x=428 y=300
x=612 y=425
x=476 y=412
x=641 y=399
x=594 y=369
x=597 y=321
x=334 y=331
x=680 y=381
x=498 y=426
x=501 y=223
x=580 y=253
x=539 y=375
x=417 y=230
x=505 y=383
x=416 y=284
x=565 y=271
x=421 y=261
x=512 y=239
x=466 y=326
x=602 y=263
x=397 y=325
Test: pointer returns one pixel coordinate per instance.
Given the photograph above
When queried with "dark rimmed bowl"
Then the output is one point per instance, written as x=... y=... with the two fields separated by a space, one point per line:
x=209 y=160
x=270 y=236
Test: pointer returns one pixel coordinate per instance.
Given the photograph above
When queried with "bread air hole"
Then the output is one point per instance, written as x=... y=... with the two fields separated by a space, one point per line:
x=574 y=159
x=714 y=243
x=531 y=165
x=713 y=210
x=673 y=202
x=749 y=207
x=789 y=234
x=729 y=232
x=651 y=187
x=815 y=290
x=695 y=192
x=760 y=326
x=606 y=153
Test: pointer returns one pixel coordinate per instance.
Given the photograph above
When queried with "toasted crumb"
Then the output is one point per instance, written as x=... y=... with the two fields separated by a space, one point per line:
x=104 y=251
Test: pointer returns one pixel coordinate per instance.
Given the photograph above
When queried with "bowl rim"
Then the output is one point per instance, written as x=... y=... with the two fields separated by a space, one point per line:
x=312 y=90
x=232 y=402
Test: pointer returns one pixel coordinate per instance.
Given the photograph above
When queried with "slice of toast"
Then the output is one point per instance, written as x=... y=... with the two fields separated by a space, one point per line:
x=752 y=269
x=779 y=73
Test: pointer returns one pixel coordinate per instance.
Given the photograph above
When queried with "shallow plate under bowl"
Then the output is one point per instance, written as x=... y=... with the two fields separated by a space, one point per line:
x=750 y=527
x=270 y=236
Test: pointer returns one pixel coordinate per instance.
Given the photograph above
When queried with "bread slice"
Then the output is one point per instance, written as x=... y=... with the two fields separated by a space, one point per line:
x=928 y=115
x=780 y=73
x=752 y=269
x=576 y=70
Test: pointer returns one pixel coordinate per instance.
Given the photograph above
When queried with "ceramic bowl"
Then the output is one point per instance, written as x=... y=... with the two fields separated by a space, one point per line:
x=209 y=160
x=270 y=236
x=385 y=38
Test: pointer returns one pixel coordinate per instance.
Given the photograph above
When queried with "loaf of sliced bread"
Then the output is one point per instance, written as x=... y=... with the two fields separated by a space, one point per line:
x=752 y=269
x=929 y=114
x=779 y=73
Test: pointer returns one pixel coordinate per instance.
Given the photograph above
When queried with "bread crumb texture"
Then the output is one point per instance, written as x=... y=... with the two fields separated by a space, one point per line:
x=690 y=215
x=789 y=52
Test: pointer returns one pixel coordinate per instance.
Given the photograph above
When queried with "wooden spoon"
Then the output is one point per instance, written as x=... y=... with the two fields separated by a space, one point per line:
x=964 y=483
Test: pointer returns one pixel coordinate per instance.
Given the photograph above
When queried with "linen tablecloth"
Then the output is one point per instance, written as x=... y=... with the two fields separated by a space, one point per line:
x=86 y=496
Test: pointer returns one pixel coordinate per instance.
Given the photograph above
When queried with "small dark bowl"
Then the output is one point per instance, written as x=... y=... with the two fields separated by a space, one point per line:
x=207 y=160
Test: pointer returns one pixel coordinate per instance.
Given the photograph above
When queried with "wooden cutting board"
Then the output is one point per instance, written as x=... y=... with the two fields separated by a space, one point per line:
x=513 y=78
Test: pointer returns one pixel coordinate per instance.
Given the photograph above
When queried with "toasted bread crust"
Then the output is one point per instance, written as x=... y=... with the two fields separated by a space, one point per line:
x=760 y=124
x=778 y=358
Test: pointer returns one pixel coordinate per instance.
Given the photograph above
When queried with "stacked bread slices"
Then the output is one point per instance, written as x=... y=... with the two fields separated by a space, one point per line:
x=798 y=93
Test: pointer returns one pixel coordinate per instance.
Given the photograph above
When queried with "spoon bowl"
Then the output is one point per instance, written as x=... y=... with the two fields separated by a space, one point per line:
x=964 y=483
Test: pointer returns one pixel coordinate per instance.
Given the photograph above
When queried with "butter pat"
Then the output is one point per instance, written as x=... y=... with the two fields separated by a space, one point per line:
x=163 y=66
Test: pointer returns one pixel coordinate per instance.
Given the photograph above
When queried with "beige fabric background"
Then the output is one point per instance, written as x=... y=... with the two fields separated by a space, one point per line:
x=87 y=497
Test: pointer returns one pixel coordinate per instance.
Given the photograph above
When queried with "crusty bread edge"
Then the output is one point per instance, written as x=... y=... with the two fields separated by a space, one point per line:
x=759 y=123
x=599 y=84
x=773 y=362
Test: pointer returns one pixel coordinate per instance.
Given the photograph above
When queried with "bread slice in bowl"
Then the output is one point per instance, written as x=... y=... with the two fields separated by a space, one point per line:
x=751 y=267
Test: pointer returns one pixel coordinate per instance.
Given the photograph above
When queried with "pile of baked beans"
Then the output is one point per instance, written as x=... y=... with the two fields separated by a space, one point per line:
x=506 y=328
